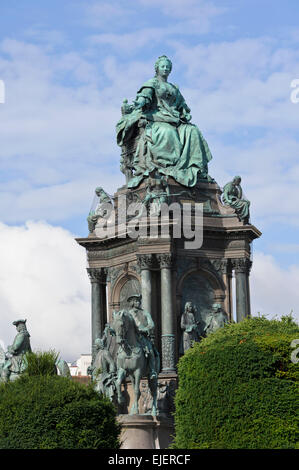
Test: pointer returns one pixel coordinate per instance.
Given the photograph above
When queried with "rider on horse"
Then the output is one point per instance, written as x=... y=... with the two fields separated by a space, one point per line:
x=145 y=327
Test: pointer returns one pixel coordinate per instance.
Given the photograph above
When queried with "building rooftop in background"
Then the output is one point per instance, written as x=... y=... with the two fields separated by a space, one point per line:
x=80 y=366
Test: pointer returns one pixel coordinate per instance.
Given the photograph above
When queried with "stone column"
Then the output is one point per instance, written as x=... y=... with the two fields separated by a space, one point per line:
x=226 y=269
x=145 y=263
x=167 y=313
x=97 y=278
x=242 y=268
x=249 y=264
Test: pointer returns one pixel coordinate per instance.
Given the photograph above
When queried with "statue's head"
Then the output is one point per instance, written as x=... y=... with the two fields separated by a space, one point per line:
x=237 y=180
x=189 y=307
x=20 y=324
x=99 y=191
x=99 y=343
x=163 y=66
x=216 y=308
x=135 y=300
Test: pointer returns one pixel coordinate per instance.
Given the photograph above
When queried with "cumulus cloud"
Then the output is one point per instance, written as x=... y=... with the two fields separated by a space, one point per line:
x=57 y=133
x=274 y=289
x=43 y=279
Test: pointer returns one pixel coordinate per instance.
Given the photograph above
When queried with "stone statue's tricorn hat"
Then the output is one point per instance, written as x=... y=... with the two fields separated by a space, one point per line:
x=134 y=296
x=16 y=323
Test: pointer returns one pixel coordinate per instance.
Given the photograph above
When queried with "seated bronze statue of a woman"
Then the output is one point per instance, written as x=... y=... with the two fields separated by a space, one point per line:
x=170 y=144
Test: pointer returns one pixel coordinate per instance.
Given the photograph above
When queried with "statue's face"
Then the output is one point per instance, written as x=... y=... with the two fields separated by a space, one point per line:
x=99 y=344
x=135 y=303
x=164 y=68
x=216 y=309
x=190 y=308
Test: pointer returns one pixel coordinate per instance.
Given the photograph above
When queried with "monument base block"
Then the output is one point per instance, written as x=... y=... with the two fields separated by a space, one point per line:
x=145 y=432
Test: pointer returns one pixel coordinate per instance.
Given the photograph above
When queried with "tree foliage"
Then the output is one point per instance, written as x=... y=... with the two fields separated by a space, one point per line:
x=45 y=411
x=238 y=388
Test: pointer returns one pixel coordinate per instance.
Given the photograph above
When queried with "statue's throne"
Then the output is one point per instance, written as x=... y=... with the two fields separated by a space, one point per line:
x=128 y=150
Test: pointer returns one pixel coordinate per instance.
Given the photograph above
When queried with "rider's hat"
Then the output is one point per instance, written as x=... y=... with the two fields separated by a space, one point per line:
x=134 y=296
x=16 y=323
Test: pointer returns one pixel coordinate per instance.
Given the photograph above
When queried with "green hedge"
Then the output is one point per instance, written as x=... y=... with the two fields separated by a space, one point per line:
x=239 y=389
x=53 y=412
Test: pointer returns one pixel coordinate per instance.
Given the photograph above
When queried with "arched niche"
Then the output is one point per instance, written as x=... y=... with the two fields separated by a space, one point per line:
x=127 y=285
x=202 y=288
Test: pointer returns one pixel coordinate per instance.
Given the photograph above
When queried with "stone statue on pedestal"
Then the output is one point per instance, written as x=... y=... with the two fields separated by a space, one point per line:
x=233 y=196
x=217 y=319
x=168 y=143
x=103 y=208
x=189 y=327
x=13 y=363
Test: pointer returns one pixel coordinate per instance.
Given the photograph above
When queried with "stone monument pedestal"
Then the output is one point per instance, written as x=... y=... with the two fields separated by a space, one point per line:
x=145 y=431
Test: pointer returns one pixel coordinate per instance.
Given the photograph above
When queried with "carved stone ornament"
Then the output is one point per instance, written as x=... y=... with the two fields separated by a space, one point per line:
x=97 y=274
x=214 y=265
x=165 y=260
x=145 y=261
x=168 y=352
x=165 y=397
x=221 y=265
x=242 y=265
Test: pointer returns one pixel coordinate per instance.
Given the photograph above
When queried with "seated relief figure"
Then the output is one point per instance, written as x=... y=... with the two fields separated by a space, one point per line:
x=233 y=196
x=170 y=144
x=102 y=210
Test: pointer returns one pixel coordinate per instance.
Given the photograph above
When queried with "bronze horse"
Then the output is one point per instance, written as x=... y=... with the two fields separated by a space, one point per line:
x=131 y=360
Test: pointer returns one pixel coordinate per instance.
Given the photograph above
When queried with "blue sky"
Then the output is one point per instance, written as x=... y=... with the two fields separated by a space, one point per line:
x=68 y=65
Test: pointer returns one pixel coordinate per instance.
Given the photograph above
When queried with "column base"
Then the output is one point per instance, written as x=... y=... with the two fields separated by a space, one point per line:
x=145 y=432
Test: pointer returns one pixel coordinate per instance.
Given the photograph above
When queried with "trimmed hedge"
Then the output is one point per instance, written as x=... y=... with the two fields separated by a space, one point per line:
x=239 y=389
x=53 y=412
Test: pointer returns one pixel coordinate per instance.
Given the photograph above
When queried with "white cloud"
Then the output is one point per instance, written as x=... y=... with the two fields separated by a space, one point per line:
x=57 y=132
x=193 y=12
x=43 y=279
x=101 y=14
x=274 y=290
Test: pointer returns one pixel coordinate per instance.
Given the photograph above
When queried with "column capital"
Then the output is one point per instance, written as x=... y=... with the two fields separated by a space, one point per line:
x=226 y=266
x=241 y=265
x=97 y=275
x=165 y=260
x=145 y=261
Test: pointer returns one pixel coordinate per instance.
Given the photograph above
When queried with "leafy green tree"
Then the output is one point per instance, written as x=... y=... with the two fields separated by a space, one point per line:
x=238 y=388
x=42 y=410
